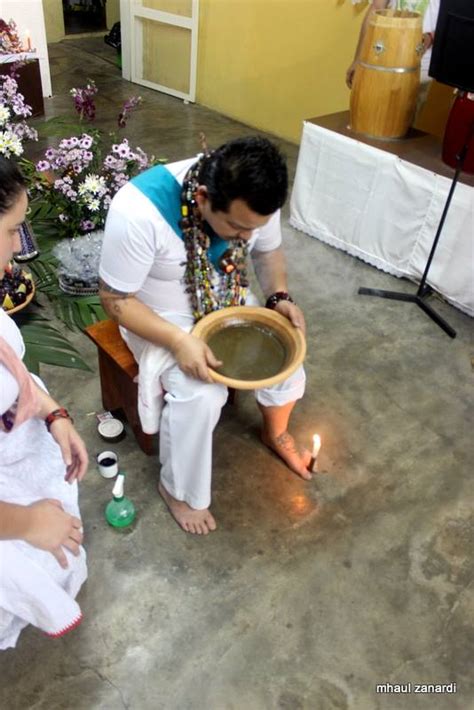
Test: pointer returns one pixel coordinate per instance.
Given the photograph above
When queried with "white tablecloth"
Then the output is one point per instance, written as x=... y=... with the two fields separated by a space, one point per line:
x=384 y=210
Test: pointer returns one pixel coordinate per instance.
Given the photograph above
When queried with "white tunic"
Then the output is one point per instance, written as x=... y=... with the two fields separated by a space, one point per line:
x=34 y=589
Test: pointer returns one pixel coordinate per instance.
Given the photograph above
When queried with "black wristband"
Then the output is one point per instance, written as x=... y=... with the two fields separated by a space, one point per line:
x=276 y=297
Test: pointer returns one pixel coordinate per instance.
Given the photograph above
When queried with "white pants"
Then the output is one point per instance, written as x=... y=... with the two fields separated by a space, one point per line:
x=189 y=417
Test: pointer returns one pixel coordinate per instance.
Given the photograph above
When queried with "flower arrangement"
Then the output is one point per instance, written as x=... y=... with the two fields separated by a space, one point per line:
x=13 y=110
x=10 y=42
x=80 y=176
x=80 y=182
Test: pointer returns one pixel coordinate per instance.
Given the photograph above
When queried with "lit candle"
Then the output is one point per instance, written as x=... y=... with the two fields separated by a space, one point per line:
x=314 y=455
x=28 y=40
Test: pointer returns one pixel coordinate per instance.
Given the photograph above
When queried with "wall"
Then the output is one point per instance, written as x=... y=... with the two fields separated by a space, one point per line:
x=112 y=12
x=273 y=63
x=435 y=112
x=53 y=19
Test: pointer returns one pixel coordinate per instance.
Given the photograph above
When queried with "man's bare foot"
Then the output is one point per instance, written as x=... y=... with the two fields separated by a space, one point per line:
x=296 y=459
x=199 y=522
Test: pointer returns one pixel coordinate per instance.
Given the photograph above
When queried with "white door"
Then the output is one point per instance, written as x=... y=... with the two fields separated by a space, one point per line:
x=159 y=44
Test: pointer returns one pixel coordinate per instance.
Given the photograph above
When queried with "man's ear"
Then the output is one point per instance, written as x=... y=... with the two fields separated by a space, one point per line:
x=202 y=196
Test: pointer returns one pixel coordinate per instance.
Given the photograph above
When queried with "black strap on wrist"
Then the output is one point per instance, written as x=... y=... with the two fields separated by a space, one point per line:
x=276 y=297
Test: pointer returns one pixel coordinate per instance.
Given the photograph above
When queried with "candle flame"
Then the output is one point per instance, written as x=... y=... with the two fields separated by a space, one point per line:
x=316 y=445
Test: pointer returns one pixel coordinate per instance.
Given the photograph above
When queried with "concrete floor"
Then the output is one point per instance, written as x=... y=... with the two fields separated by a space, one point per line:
x=309 y=594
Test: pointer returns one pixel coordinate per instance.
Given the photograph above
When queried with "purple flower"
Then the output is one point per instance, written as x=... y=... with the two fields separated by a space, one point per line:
x=123 y=151
x=42 y=165
x=109 y=161
x=86 y=141
x=127 y=108
x=84 y=100
x=87 y=225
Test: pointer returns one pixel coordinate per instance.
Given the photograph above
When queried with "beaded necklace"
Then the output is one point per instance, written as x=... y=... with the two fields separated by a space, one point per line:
x=215 y=276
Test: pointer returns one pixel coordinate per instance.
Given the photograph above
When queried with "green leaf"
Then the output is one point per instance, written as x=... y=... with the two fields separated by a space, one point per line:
x=52 y=356
x=31 y=364
x=46 y=340
x=46 y=344
x=85 y=313
x=99 y=312
x=60 y=127
x=64 y=311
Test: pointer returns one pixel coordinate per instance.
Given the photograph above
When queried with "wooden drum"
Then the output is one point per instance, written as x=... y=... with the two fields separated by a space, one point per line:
x=387 y=75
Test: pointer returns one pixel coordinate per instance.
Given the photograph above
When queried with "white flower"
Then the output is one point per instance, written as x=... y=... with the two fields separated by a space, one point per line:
x=93 y=204
x=10 y=144
x=4 y=115
x=93 y=184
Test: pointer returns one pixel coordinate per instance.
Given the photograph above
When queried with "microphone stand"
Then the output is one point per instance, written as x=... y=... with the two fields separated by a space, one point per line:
x=425 y=290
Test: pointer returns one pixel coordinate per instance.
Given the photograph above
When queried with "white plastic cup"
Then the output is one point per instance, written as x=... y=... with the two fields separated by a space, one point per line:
x=107 y=462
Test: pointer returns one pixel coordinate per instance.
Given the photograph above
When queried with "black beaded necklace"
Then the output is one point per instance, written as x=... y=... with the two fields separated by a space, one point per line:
x=215 y=277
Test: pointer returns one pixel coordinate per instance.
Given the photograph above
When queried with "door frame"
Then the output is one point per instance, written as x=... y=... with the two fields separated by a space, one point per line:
x=132 y=49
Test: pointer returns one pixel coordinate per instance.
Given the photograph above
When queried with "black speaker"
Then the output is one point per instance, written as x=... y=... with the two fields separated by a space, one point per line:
x=452 y=59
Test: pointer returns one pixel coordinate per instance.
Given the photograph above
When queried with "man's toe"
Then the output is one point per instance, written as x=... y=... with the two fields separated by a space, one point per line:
x=211 y=524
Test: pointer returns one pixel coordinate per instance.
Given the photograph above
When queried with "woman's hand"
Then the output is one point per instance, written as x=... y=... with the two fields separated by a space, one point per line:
x=293 y=313
x=72 y=448
x=195 y=357
x=50 y=528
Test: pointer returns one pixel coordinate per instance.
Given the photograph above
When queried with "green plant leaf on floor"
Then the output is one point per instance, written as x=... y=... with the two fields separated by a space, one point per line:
x=59 y=127
x=45 y=344
x=76 y=312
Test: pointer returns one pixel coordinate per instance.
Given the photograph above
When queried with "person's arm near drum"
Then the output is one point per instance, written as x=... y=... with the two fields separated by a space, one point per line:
x=270 y=270
x=376 y=5
x=192 y=354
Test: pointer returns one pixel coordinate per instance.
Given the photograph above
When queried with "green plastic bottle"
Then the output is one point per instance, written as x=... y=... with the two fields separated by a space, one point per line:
x=120 y=511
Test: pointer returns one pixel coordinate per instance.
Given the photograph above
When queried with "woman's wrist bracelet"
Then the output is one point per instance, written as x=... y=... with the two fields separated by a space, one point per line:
x=60 y=413
x=276 y=297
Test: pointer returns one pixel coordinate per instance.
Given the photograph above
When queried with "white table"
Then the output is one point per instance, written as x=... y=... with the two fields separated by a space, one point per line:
x=384 y=208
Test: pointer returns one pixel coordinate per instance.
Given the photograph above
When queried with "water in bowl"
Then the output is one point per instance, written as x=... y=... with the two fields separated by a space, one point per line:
x=249 y=352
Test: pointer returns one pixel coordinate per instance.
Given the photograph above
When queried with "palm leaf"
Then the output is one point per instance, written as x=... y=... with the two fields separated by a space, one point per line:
x=55 y=356
x=46 y=344
x=63 y=309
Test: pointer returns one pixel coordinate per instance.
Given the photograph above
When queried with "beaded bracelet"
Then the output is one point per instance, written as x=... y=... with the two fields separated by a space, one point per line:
x=276 y=297
x=60 y=413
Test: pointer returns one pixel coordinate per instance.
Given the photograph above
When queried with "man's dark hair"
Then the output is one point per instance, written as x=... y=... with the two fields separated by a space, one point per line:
x=250 y=169
x=12 y=183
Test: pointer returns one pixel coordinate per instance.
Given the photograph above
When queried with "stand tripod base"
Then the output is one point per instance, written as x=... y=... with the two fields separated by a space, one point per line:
x=412 y=298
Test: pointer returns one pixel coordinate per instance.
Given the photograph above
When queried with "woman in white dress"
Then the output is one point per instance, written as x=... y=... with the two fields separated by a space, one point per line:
x=42 y=561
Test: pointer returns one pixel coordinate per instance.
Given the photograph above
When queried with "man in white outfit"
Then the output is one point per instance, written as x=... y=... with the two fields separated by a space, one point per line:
x=175 y=246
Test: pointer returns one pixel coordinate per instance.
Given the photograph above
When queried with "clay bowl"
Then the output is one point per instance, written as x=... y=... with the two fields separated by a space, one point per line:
x=259 y=347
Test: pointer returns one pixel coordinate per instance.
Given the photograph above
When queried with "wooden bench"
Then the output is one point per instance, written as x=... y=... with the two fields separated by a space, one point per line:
x=118 y=368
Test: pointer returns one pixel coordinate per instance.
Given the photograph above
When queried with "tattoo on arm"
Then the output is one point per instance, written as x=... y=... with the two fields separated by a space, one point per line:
x=112 y=299
x=112 y=291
